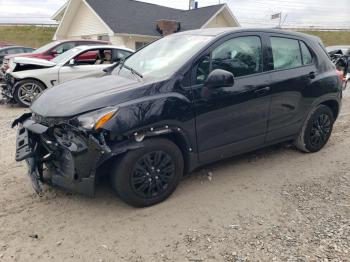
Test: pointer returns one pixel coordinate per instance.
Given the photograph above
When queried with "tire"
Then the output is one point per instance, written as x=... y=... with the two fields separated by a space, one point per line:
x=26 y=91
x=316 y=130
x=149 y=175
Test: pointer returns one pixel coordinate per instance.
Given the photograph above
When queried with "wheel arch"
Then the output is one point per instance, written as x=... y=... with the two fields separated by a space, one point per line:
x=30 y=78
x=173 y=134
x=333 y=105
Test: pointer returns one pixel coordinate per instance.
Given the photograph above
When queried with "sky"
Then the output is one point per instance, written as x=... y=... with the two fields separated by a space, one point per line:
x=297 y=13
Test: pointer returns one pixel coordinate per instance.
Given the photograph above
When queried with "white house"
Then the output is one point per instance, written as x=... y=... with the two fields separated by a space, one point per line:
x=132 y=23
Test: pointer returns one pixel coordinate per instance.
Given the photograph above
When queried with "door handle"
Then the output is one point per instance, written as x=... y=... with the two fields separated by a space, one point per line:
x=262 y=91
x=312 y=75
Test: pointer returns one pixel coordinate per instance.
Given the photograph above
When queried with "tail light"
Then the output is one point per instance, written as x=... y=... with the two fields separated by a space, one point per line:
x=340 y=75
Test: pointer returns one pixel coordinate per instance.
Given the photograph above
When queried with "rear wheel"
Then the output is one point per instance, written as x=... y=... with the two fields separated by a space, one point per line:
x=148 y=175
x=316 y=130
x=26 y=91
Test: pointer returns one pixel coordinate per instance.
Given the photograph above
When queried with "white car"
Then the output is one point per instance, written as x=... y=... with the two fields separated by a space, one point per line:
x=27 y=77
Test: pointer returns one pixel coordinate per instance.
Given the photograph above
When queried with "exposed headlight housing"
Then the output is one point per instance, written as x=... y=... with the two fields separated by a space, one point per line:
x=97 y=119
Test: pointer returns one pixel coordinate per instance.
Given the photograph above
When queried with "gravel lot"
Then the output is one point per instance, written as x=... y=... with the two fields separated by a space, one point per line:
x=275 y=204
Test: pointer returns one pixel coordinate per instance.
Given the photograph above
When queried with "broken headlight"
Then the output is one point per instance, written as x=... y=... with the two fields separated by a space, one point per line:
x=97 y=119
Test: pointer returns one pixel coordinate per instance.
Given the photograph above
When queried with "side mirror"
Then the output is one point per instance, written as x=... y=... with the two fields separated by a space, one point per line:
x=219 y=78
x=72 y=62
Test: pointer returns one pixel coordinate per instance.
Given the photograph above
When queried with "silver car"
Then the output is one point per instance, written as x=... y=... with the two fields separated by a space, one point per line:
x=26 y=77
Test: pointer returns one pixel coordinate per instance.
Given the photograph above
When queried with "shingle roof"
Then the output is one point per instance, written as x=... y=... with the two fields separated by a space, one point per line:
x=134 y=17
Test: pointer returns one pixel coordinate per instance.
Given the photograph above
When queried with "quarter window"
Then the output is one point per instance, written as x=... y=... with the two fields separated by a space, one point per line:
x=286 y=53
x=241 y=56
x=307 y=57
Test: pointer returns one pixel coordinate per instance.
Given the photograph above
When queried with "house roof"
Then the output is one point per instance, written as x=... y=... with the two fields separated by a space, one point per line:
x=134 y=17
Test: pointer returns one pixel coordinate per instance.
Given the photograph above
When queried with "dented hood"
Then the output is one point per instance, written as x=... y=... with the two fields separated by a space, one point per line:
x=82 y=95
x=33 y=61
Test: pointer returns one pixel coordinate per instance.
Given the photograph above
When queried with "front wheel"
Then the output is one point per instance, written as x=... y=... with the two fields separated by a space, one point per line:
x=26 y=91
x=148 y=175
x=316 y=130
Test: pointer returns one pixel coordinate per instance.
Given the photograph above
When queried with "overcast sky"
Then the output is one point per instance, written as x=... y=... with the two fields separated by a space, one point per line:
x=303 y=13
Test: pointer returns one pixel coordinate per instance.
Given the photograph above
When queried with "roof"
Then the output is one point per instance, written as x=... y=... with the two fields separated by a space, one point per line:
x=117 y=15
x=228 y=30
x=88 y=47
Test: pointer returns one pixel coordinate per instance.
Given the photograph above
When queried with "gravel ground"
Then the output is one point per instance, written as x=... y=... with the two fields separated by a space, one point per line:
x=275 y=204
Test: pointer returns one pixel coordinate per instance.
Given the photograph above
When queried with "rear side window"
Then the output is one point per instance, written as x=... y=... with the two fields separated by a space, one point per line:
x=241 y=56
x=307 y=57
x=286 y=53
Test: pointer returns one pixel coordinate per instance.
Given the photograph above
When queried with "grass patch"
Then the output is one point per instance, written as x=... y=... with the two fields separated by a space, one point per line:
x=35 y=36
x=31 y=36
x=332 y=37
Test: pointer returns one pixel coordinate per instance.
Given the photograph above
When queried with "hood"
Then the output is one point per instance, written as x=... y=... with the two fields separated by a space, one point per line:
x=82 y=95
x=33 y=61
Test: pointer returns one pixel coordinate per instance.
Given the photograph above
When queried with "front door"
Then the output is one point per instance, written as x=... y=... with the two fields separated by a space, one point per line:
x=88 y=63
x=230 y=120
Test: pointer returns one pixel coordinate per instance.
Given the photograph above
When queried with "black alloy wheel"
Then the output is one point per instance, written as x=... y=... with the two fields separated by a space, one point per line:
x=152 y=174
x=321 y=128
x=316 y=130
x=148 y=175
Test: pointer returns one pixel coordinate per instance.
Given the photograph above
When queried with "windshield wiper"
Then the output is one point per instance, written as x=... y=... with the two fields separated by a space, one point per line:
x=133 y=71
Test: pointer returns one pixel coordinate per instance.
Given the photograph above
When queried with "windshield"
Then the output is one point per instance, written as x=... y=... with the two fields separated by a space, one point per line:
x=45 y=47
x=165 y=56
x=66 y=55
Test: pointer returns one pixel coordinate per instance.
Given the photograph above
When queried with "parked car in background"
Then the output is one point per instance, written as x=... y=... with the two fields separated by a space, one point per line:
x=9 y=50
x=4 y=44
x=51 y=50
x=27 y=77
x=183 y=101
x=340 y=56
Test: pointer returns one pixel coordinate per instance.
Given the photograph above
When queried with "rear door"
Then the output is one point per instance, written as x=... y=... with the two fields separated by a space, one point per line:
x=292 y=71
x=232 y=119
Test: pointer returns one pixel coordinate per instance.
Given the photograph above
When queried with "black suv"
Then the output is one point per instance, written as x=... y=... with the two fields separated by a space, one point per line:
x=185 y=100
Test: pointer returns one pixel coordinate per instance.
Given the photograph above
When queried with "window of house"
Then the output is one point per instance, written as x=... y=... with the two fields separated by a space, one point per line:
x=139 y=45
x=305 y=52
x=103 y=37
x=286 y=53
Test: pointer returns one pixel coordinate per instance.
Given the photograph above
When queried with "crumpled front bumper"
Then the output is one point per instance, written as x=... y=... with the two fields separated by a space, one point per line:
x=69 y=164
x=7 y=88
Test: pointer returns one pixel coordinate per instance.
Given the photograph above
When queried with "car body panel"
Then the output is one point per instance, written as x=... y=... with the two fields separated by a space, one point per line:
x=52 y=74
x=33 y=61
x=207 y=125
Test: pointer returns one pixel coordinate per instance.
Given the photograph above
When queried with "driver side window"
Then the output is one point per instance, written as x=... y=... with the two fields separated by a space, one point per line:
x=241 y=56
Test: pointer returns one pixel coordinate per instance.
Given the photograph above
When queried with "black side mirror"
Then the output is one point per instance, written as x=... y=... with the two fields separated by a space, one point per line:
x=219 y=78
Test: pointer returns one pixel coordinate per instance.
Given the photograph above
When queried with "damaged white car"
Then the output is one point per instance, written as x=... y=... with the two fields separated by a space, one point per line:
x=26 y=77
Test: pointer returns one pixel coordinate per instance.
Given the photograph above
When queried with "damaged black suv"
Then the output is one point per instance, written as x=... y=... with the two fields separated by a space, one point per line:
x=183 y=101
